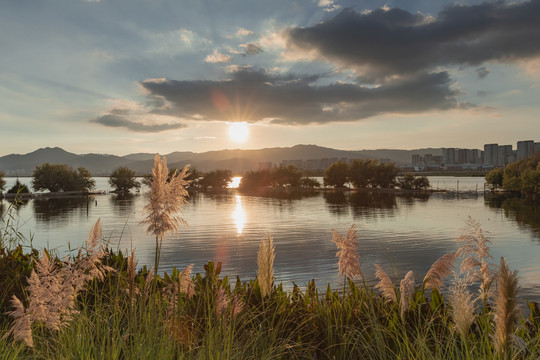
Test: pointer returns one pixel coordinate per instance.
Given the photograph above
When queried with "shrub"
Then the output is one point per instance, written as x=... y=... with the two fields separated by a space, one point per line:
x=123 y=179
x=61 y=177
x=337 y=174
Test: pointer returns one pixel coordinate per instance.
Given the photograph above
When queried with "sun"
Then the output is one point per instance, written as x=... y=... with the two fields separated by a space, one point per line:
x=238 y=131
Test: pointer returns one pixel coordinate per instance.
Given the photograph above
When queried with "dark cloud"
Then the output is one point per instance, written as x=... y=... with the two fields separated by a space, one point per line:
x=482 y=72
x=116 y=119
x=252 y=49
x=290 y=99
x=383 y=42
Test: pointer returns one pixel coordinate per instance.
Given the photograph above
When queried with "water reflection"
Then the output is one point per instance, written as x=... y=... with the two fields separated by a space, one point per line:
x=239 y=215
x=372 y=203
x=526 y=213
x=122 y=204
x=61 y=209
x=336 y=202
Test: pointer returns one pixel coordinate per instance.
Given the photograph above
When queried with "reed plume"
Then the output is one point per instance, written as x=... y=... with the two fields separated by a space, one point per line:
x=462 y=306
x=506 y=309
x=440 y=269
x=222 y=302
x=406 y=290
x=349 y=260
x=132 y=290
x=237 y=306
x=385 y=285
x=186 y=283
x=475 y=253
x=52 y=289
x=265 y=263
x=166 y=201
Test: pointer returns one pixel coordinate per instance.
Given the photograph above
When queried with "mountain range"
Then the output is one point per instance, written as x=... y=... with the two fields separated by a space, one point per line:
x=237 y=161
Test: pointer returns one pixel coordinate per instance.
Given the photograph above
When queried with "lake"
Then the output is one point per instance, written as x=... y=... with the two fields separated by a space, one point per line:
x=400 y=233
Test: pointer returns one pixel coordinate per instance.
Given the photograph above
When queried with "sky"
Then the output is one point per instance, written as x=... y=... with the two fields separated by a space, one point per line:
x=130 y=76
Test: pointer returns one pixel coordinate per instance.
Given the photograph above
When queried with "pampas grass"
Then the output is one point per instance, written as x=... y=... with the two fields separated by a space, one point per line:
x=406 y=290
x=168 y=196
x=385 y=285
x=440 y=269
x=349 y=260
x=265 y=263
x=462 y=306
x=506 y=309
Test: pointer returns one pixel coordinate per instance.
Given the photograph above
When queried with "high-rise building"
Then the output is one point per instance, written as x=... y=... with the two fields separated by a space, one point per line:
x=449 y=156
x=491 y=154
x=416 y=159
x=536 y=147
x=505 y=155
x=525 y=149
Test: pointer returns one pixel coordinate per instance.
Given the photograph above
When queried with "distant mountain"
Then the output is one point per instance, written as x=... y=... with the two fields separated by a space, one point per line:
x=236 y=160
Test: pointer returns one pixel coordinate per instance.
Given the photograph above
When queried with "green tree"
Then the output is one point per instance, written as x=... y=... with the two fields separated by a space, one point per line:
x=420 y=183
x=287 y=176
x=18 y=188
x=512 y=176
x=60 y=177
x=216 y=179
x=337 y=174
x=530 y=182
x=362 y=172
x=406 y=181
x=307 y=182
x=384 y=175
x=2 y=181
x=253 y=180
x=123 y=179
x=495 y=178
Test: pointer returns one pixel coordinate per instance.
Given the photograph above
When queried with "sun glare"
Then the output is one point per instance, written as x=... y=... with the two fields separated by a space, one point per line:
x=238 y=131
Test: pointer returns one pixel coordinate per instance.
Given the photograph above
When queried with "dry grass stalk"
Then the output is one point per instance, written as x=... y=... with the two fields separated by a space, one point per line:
x=148 y=283
x=132 y=290
x=349 y=260
x=506 y=309
x=462 y=306
x=237 y=306
x=475 y=250
x=52 y=290
x=265 y=263
x=186 y=282
x=406 y=290
x=166 y=201
x=222 y=302
x=440 y=269
x=385 y=285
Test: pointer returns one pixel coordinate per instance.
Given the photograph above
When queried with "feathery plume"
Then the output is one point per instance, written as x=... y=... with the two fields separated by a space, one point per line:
x=186 y=283
x=475 y=250
x=132 y=290
x=349 y=260
x=440 y=269
x=462 y=306
x=221 y=302
x=237 y=306
x=166 y=201
x=506 y=309
x=148 y=283
x=22 y=324
x=265 y=263
x=385 y=285
x=406 y=290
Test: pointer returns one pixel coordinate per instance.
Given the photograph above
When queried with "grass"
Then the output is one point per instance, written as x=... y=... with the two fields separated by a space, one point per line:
x=128 y=314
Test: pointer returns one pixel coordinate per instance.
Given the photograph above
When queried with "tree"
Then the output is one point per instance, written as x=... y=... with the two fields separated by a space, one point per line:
x=216 y=179
x=362 y=172
x=123 y=179
x=253 y=180
x=406 y=181
x=2 y=181
x=420 y=183
x=337 y=174
x=18 y=188
x=495 y=178
x=307 y=182
x=287 y=176
x=384 y=175
x=60 y=177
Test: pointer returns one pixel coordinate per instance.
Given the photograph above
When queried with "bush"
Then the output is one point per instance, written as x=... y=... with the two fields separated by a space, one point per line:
x=286 y=176
x=123 y=179
x=307 y=182
x=495 y=178
x=18 y=188
x=217 y=179
x=61 y=177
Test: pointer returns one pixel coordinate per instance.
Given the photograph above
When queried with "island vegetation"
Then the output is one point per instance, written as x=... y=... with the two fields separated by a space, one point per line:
x=123 y=179
x=61 y=178
x=100 y=304
x=522 y=176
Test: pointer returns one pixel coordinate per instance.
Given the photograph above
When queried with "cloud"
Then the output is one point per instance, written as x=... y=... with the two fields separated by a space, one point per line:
x=118 y=118
x=217 y=57
x=328 y=5
x=252 y=49
x=386 y=42
x=482 y=72
x=257 y=95
x=243 y=32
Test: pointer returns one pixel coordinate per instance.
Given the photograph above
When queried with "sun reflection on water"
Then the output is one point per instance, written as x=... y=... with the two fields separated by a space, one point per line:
x=239 y=215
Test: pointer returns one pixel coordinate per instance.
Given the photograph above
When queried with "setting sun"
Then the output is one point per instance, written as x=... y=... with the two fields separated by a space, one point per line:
x=238 y=131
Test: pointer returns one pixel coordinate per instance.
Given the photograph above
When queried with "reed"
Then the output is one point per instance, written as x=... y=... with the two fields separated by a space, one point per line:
x=265 y=263
x=348 y=257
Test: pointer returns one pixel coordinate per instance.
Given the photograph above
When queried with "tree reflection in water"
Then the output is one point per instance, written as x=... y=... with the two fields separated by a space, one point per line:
x=123 y=204
x=525 y=212
x=62 y=209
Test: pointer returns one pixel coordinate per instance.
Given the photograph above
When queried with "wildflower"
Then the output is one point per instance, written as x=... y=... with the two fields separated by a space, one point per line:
x=349 y=260
x=265 y=262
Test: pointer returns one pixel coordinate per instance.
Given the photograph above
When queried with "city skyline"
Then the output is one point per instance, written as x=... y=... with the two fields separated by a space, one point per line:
x=128 y=76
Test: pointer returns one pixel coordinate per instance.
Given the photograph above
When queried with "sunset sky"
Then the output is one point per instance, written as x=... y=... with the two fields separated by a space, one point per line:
x=128 y=76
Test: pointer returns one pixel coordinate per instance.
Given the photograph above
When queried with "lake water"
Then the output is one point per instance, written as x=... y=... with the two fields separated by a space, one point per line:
x=397 y=232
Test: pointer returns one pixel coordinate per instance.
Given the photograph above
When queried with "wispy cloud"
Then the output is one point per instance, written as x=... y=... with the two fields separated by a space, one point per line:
x=113 y=120
x=251 y=49
x=217 y=57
